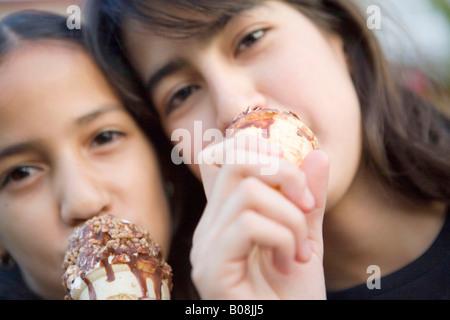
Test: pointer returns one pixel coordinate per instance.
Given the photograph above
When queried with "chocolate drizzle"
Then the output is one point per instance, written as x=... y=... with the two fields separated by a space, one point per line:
x=262 y=118
x=254 y=117
x=109 y=271
x=278 y=127
x=142 y=268
x=106 y=241
x=92 y=294
x=263 y=124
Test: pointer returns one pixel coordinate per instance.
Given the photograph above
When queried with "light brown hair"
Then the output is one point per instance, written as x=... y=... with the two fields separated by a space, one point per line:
x=406 y=139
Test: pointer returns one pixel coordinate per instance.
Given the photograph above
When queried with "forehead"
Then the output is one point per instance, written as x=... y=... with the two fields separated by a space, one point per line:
x=185 y=18
x=28 y=59
x=45 y=83
x=27 y=74
x=35 y=67
x=148 y=44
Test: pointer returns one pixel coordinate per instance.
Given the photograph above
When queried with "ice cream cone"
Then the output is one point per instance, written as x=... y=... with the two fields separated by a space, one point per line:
x=112 y=259
x=283 y=128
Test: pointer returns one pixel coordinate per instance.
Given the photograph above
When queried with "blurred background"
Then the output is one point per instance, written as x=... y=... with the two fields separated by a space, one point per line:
x=415 y=33
x=412 y=28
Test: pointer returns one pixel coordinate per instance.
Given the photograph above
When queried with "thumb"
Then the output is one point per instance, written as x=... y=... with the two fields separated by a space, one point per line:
x=316 y=167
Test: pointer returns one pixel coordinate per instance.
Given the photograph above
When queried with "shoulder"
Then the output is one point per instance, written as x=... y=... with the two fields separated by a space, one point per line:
x=12 y=286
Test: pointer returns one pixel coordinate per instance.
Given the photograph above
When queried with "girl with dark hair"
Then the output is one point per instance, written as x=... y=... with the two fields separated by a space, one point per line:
x=71 y=149
x=384 y=204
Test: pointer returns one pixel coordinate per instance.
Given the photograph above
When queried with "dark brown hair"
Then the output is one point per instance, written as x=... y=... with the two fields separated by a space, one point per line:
x=406 y=139
x=183 y=190
x=104 y=41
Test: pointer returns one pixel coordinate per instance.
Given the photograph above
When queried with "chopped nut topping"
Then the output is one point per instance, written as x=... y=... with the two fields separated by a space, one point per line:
x=106 y=239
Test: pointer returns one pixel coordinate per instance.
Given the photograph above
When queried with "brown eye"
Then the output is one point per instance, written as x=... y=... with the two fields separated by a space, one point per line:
x=250 y=39
x=106 y=137
x=18 y=174
x=179 y=97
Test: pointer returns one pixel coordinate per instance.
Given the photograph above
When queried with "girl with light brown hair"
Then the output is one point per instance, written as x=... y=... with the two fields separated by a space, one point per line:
x=379 y=184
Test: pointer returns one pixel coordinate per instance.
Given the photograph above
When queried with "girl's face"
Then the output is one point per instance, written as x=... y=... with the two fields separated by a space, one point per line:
x=269 y=56
x=68 y=151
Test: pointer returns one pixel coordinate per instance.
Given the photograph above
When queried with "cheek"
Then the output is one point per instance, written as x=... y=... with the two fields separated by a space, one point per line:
x=31 y=232
x=337 y=123
x=140 y=195
x=191 y=135
x=323 y=95
x=340 y=131
x=25 y=219
x=343 y=143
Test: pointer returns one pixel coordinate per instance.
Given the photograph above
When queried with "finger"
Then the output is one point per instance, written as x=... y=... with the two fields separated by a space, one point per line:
x=285 y=176
x=209 y=176
x=253 y=194
x=212 y=158
x=244 y=161
x=253 y=230
x=216 y=154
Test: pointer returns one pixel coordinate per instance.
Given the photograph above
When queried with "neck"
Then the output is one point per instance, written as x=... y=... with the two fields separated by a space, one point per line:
x=369 y=226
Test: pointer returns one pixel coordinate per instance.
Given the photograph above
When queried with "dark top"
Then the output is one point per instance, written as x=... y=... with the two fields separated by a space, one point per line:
x=426 y=278
x=12 y=286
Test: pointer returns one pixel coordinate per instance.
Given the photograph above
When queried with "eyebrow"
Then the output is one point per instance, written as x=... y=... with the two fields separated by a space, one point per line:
x=179 y=63
x=88 y=118
x=168 y=69
x=31 y=146
x=18 y=148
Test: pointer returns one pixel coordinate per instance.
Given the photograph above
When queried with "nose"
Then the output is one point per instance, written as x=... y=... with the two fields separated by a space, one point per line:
x=234 y=91
x=82 y=194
